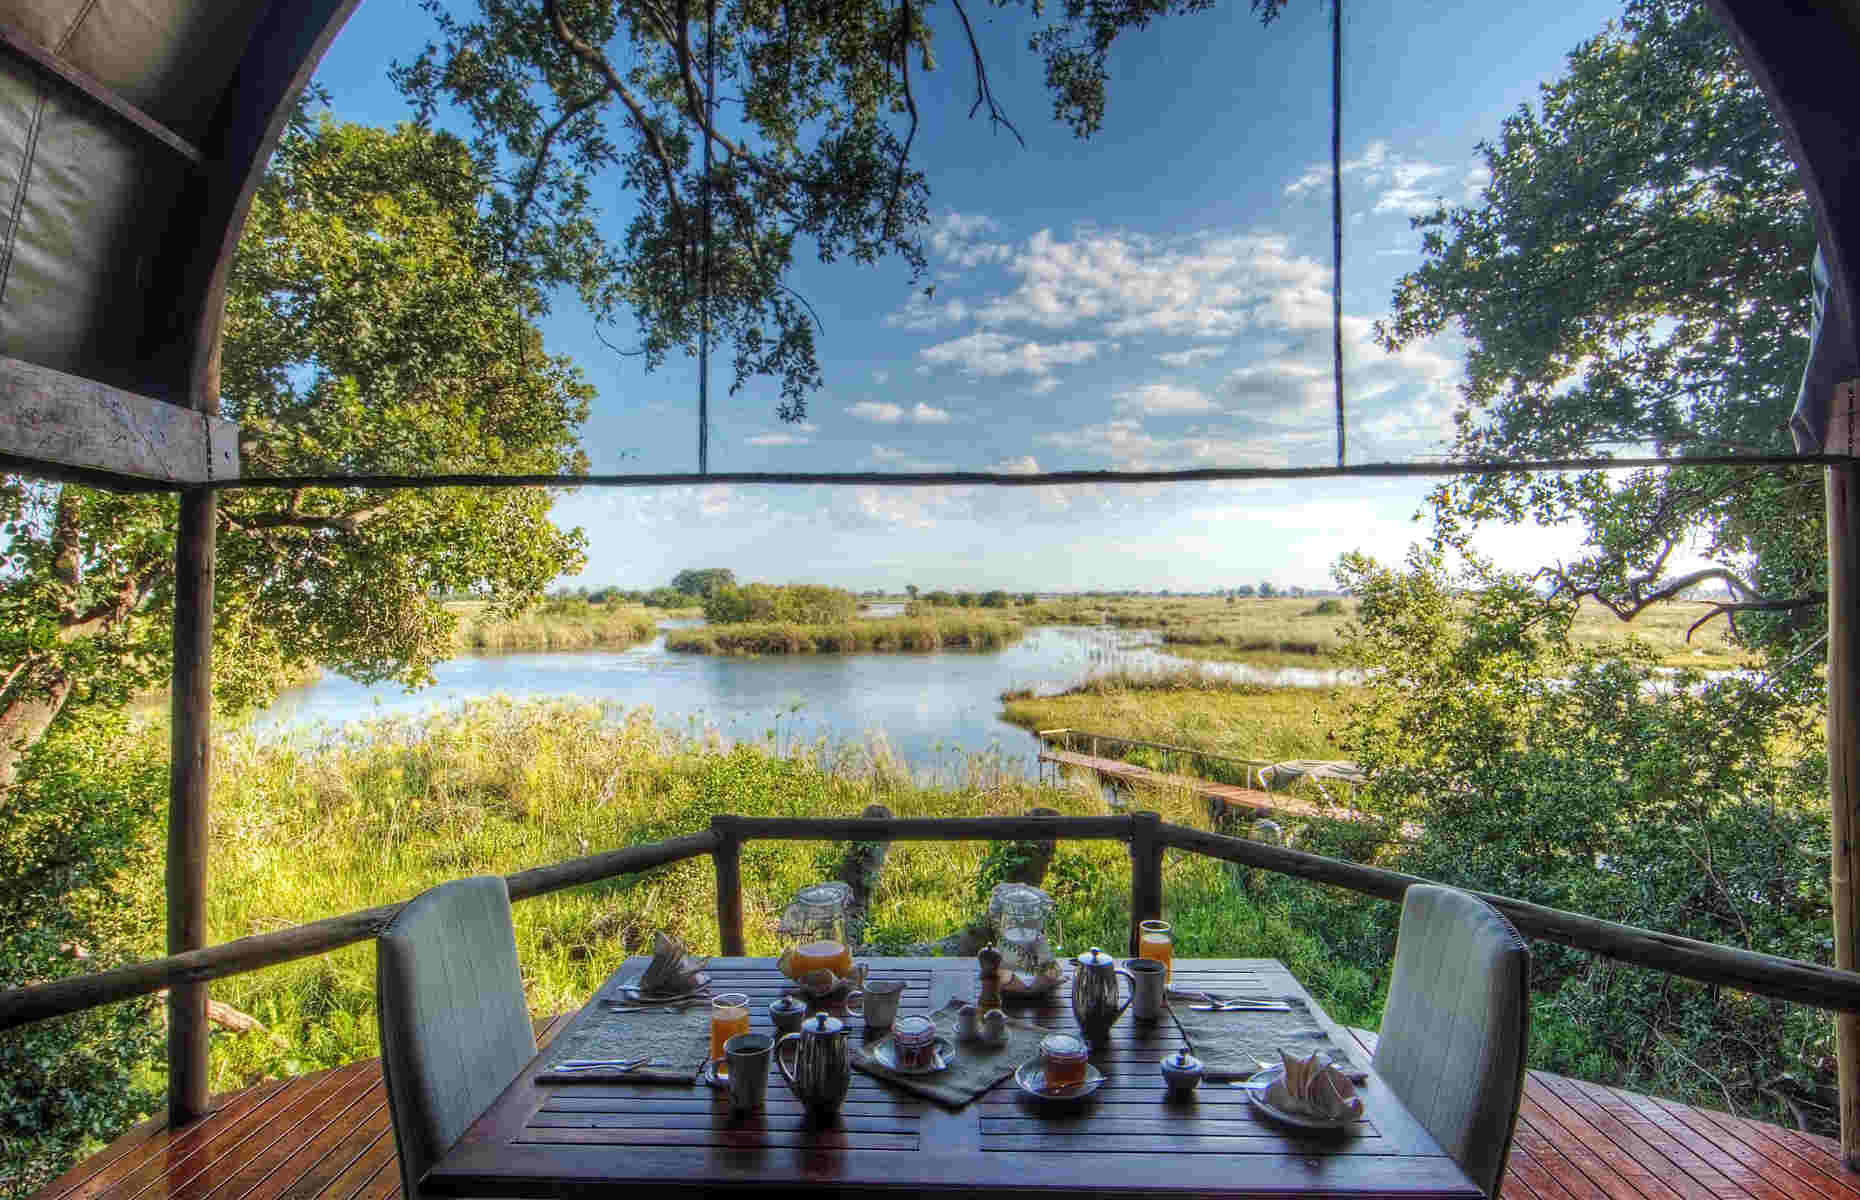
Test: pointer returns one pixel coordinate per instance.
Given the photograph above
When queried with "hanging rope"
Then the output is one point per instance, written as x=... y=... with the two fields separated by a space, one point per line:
x=710 y=118
x=1336 y=211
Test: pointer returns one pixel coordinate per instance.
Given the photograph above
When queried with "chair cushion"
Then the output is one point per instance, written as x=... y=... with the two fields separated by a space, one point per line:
x=1457 y=1025
x=454 y=1028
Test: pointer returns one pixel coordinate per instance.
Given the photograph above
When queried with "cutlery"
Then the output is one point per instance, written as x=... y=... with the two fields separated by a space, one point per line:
x=600 y=1064
x=625 y=1007
x=1208 y=997
x=1244 y=1006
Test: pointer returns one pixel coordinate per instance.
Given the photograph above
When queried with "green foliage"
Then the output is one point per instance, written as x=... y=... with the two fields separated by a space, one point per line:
x=1505 y=758
x=894 y=634
x=73 y=843
x=796 y=603
x=1636 y=275
x=701 y=583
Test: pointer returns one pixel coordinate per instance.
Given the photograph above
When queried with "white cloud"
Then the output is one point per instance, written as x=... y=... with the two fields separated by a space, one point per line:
x=1158 y=399
x=1129 y=446
x=1026 y=464
x=1191 y=356
x=886 y=413
x=985 y=353
x=919 y=315
x=1401 y=185
x=779 y=439
x=958 y=240
x=904 y=460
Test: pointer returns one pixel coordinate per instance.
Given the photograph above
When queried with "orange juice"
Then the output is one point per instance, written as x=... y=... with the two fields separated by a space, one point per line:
x=729 y=1016
x=811 y=956
x=1157 y=944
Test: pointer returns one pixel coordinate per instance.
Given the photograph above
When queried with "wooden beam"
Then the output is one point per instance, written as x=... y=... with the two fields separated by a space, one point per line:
x=23 y=1006
x=1832 y=988
x=190 y=762
x=727 y=857
x=1843 y=501
x=930 y=829
x=1146 y=872
x=20 y=43
x=80 y=426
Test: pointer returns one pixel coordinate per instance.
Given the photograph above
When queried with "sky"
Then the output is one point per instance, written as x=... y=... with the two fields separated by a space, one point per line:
x=1157 y=297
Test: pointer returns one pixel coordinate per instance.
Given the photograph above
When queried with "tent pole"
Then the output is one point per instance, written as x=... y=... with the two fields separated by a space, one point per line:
x=1843 y=499
x=188 y=780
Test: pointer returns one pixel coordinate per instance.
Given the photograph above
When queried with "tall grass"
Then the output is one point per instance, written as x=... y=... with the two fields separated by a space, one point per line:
x=377 y=812
x=891 y=634
x=590 y=627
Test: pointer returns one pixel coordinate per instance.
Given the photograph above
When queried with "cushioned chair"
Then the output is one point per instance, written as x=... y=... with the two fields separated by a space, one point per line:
x=1456 y=1026
x=454 y=1028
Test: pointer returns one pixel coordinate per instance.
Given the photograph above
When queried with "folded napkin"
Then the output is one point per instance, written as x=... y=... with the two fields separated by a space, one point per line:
x=978 y=1066
x=1234 y=1044
x=1312 y=1087
x=676 y=1039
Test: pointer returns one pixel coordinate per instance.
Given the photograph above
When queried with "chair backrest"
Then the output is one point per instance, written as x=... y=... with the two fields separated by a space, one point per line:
x=1457 y=1024
x=454 y=1028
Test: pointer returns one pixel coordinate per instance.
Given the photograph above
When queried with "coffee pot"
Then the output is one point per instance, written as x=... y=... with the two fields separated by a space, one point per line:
x=822 y=1069
x=1094 y=994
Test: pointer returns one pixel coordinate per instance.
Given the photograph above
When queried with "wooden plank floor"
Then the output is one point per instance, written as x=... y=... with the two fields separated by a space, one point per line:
x=326 y=1137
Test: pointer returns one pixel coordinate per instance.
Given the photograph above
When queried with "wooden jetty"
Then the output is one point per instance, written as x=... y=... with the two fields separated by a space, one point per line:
x=1224 y=801
x=326 y=1137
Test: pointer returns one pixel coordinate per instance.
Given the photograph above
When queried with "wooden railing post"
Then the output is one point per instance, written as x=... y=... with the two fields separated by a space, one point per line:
x=1146 y=871
x=189 y=763
x=728 y=857
x=1843 y=499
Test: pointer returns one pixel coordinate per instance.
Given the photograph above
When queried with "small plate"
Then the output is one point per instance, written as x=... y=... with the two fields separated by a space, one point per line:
x=886 y=1052
x=1032 y=1080
x=1256 y=1092
x=631 y=992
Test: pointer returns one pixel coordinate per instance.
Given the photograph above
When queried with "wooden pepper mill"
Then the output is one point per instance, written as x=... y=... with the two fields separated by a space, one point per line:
x=988 y=991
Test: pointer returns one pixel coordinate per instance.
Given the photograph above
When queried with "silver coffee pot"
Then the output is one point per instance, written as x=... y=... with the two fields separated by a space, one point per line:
x=1094 y=994
x=822 y=1068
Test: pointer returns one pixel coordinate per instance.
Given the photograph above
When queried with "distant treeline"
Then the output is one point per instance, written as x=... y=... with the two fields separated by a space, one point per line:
x=994 y=599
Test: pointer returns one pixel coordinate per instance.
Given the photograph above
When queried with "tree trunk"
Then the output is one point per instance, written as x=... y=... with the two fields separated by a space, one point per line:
x=25 y=716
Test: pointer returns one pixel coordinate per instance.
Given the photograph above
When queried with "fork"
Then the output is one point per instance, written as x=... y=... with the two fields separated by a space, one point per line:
x=1244 y=1006
x=600 y=1064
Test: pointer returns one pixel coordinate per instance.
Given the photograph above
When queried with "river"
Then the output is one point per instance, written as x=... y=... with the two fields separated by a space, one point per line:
x=933 y=711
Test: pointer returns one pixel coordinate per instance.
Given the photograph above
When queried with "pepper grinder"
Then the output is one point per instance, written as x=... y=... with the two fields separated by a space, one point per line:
x=988 y=991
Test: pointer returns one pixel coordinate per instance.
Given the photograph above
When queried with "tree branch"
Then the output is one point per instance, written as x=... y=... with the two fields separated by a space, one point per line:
x=1746 y=597
x=338 y=523
x=984 y=93
x=910 y=102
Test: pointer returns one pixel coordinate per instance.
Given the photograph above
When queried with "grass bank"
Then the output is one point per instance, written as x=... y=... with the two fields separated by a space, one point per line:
x=378 y=812
x=554 y=626
x=889 y=634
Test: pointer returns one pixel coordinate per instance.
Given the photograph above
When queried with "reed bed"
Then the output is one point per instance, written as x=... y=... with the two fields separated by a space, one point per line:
x=376 y=812
x=593 y=628
x=894 y=634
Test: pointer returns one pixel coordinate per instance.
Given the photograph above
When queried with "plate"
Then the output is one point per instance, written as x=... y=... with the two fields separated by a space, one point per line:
x=1256 y=1092
x=1032 y=1080
x=885 y=1051
x=631 y=992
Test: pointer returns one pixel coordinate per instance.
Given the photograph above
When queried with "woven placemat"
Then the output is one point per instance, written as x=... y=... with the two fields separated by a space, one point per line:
x=977 y=1068
x=676 y=1039
x=1231 y=1045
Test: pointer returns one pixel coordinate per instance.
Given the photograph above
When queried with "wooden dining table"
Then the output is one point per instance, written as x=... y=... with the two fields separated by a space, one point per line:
x=586 y=1139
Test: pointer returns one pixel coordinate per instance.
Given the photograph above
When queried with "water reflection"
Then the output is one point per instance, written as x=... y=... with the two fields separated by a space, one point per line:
x=933 y=711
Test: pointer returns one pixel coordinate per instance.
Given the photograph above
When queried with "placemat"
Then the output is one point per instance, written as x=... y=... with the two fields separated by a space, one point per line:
x=677 y=1039
x=1231 y=1045
x=978 y=1066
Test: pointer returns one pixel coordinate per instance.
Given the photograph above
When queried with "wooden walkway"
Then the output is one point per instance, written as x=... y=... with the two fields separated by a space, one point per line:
x=326 y=1137
x=1220 y=798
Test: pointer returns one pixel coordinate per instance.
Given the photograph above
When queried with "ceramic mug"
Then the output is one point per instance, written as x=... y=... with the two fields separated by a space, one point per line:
x=877 y=1002
x=1149 y=980
x=747 y=1055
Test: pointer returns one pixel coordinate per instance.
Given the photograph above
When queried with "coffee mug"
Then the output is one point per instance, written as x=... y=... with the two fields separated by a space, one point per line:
x=747 y=1055
x=877 y=1002
x=1149 y=980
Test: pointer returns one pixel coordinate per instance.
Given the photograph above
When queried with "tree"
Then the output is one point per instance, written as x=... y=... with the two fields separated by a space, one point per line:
x=1266 y=590
x=1636 y=275
x=701 y=583
x=815 y=119
x=369 y=328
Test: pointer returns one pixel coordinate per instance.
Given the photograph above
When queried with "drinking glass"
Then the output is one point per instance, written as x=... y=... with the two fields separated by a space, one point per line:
x=1062 y=1058
x=729 y=1016
x=1154 y=941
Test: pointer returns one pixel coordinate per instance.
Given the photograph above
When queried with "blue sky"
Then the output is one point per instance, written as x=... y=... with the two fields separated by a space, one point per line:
x=1155 y=297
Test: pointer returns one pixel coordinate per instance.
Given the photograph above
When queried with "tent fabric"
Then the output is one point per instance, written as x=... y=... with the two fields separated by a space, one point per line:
x=1832 y=359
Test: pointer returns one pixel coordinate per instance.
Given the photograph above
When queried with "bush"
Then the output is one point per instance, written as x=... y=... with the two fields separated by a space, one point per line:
x=794 y=603
x=74 y=836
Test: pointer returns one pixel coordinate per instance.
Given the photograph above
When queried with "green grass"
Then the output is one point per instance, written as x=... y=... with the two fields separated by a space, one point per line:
x=558 y=627
x=375 y=813
x=962 y=632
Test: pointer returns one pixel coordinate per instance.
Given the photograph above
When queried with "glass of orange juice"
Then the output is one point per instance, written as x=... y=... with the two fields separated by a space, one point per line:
x=1154 y=941
x=729 y=1016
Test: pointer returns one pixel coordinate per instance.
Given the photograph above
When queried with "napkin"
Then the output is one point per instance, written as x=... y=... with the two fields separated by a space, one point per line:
x=1312 y=1087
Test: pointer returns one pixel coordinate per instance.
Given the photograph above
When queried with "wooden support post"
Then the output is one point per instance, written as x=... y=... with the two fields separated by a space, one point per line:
x=728 y=857
x=1843 y=498
x=1146 y=871
x=188 y=781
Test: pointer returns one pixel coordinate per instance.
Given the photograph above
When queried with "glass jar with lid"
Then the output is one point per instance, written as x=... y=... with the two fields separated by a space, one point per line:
x=1022 y=917
x=814 y=926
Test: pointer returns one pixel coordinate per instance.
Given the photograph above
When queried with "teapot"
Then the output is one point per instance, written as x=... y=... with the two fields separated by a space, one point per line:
x=1094 y=994
x=822 y=1063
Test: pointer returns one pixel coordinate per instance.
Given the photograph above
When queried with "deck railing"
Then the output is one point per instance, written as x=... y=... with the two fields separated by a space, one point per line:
x=1146 y=834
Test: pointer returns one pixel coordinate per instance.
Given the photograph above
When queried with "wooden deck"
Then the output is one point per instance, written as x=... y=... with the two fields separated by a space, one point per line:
x=326 y=1137
x=1220 y=798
